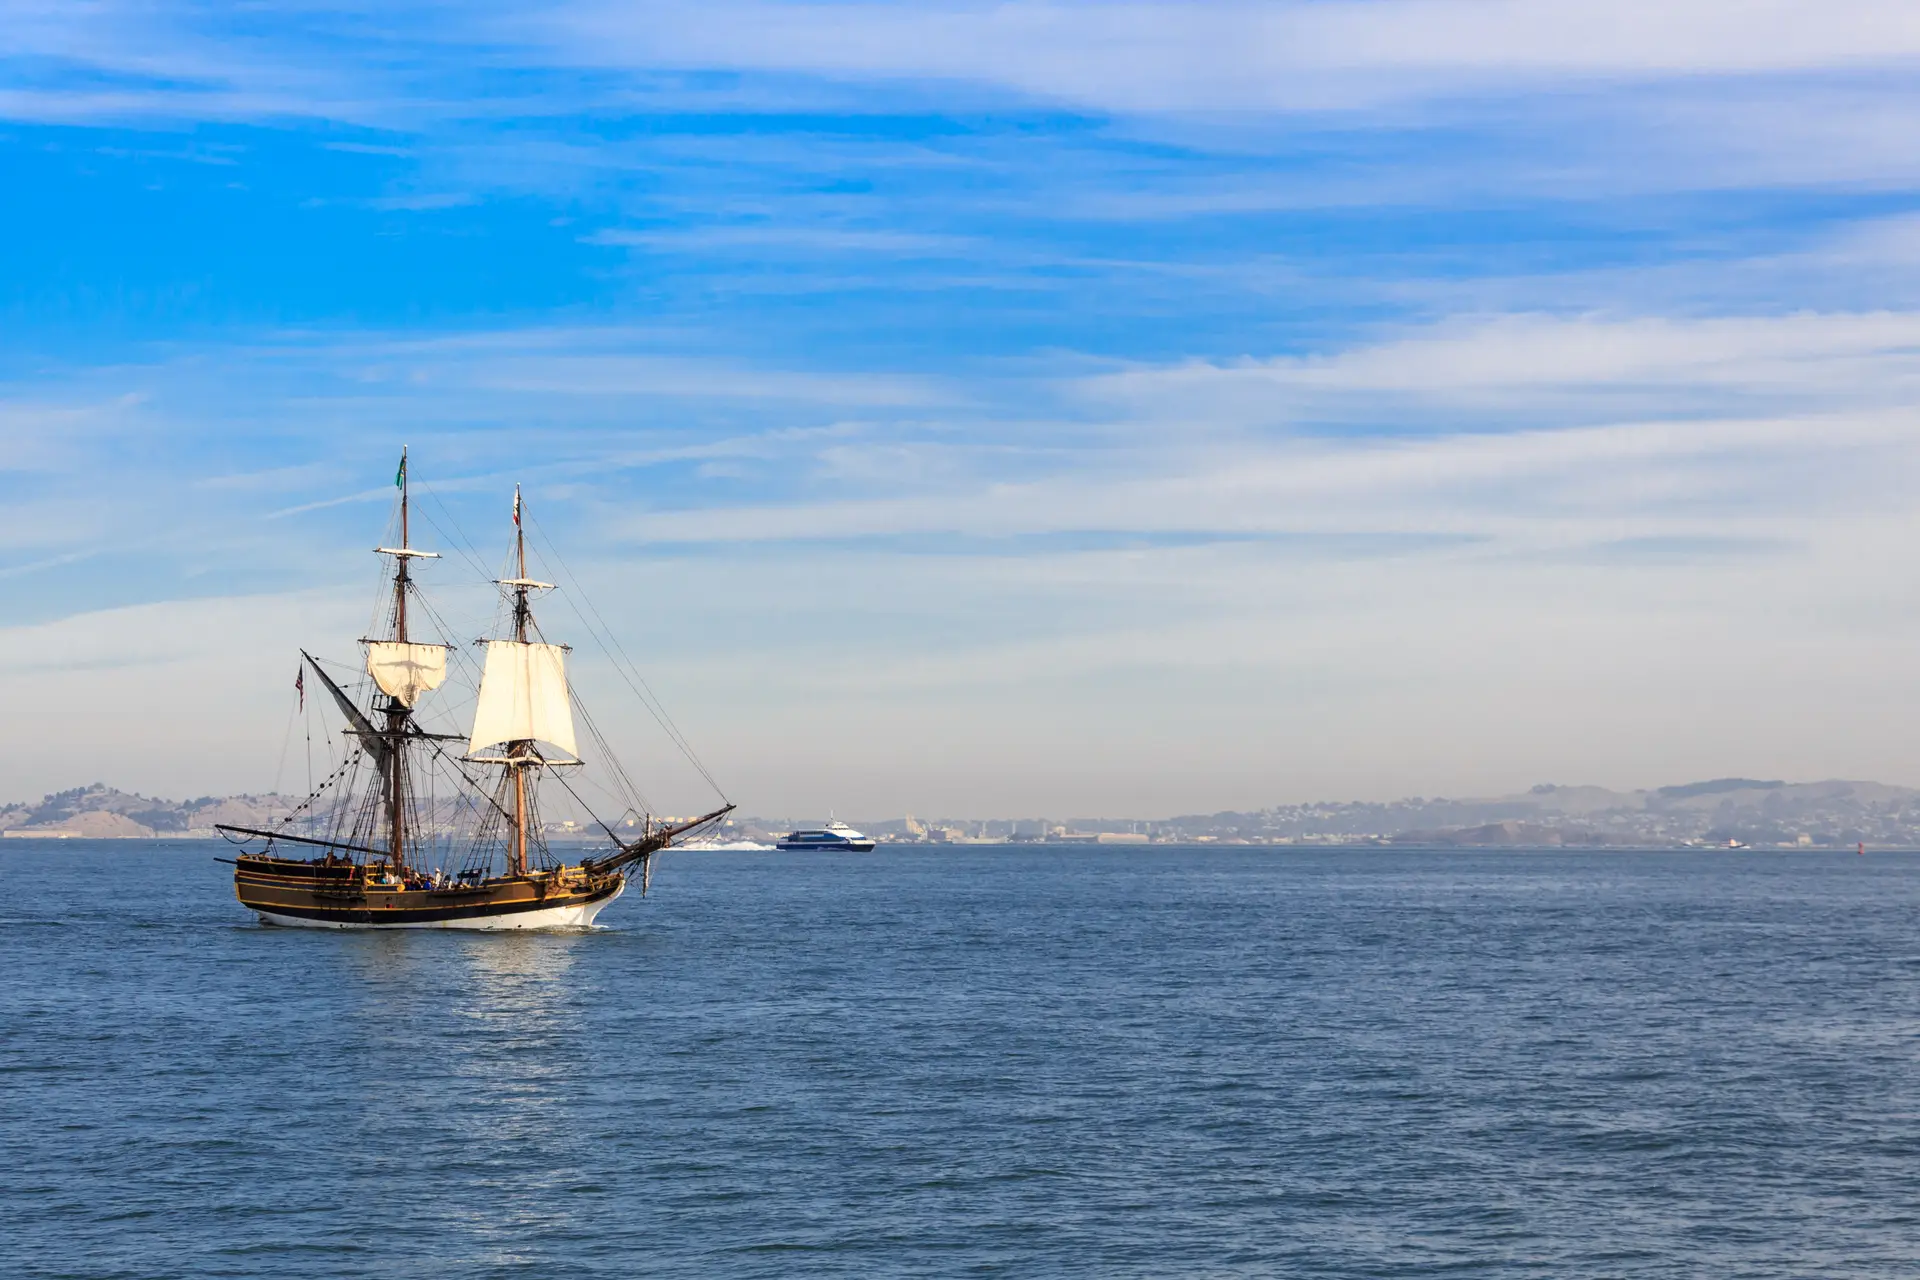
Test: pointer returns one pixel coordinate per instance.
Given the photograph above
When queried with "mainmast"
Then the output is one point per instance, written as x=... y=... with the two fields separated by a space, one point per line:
x=523 y=701
x=519 y=749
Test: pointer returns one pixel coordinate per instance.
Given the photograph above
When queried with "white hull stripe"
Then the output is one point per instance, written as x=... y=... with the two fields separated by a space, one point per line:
x=576 y=916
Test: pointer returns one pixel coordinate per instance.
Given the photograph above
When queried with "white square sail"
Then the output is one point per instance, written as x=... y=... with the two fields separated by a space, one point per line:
x=523 y=696
x=405 y=671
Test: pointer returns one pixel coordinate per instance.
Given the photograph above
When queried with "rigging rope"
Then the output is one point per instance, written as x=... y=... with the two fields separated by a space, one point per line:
x=324 y=784
x=562 y=777
x=632 y=796
x=286 y=740
x=457 y=539
x=649 y=699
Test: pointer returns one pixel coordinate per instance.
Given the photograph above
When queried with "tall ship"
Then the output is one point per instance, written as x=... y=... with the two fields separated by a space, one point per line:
x=418 y=829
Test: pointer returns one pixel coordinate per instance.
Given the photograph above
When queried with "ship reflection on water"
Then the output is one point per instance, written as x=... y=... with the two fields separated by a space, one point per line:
x=523 y=1021
x=496 y=1022
x=520 y=1065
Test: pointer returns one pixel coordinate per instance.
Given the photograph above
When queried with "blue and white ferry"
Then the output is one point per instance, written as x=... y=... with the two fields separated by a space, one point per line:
x=835 y=835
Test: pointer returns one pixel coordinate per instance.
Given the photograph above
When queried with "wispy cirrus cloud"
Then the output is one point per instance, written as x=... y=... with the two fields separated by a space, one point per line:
x=1545 y=368
x=820 y=239
x=1237 y=56
x=1520 y=429
x=1529 y=491
x=1202 y=56
x=1828 y=81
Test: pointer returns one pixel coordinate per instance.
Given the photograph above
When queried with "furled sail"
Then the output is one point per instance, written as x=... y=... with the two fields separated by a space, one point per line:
x=523 y=695
x=405 y=671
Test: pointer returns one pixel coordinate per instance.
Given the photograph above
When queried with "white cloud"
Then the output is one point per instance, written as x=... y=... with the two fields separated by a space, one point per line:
x=1563 y=100
x=1193 y=56
x=1020 y=625
x=1530 y=489
x=1518 y=361
x=1486 y=427
x=1239 y=56
x=633 y=362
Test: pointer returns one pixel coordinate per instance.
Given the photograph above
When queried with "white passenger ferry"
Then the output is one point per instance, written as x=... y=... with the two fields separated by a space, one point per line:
x=835 y=835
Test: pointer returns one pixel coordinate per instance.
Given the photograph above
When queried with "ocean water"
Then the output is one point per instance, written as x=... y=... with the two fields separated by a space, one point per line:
x=1020 y=1061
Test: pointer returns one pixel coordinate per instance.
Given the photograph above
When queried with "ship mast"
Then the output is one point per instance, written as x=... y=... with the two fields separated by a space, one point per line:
x=403 y=671
x=524 y=700
x=396 y=709
x=519 y=750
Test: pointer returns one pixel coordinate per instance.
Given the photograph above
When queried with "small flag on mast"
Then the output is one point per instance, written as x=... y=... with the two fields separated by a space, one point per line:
x=516 y=506
x=300 y=686
x=400 y=476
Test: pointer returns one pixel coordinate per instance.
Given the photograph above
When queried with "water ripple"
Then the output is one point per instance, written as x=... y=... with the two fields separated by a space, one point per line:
x=1023 y=1061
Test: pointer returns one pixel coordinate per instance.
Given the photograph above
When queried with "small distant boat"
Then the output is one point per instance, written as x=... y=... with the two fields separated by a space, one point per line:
x=835 y=835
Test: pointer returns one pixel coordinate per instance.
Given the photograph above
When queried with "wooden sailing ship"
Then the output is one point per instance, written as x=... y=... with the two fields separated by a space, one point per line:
x=380 y=853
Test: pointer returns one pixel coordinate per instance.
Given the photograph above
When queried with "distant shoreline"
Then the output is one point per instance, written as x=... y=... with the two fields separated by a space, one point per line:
x=1722 y=813
x=24 y=839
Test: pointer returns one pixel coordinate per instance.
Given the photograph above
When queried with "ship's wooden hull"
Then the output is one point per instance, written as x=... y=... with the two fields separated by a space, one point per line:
x=342 y=895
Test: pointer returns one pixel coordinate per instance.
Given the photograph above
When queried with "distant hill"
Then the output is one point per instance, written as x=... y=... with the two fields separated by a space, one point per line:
x=1833 y=813
x=100 y=812
x=1719 y=786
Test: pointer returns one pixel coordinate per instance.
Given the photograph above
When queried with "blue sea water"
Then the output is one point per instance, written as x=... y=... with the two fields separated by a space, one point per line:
x=1019 y=1061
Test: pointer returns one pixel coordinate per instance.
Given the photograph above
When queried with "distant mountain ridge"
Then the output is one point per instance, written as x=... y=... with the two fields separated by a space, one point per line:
x=1832 y=813
x=100 y=812
x=1748 y=810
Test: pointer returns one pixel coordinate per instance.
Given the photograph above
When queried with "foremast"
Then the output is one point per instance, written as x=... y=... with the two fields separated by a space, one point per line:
x=403 y=670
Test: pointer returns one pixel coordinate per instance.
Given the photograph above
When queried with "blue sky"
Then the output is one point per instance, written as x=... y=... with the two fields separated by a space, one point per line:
x=1070 y=408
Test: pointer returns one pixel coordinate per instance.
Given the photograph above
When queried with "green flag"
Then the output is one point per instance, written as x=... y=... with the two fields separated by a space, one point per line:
x=400 y=476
